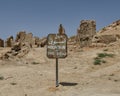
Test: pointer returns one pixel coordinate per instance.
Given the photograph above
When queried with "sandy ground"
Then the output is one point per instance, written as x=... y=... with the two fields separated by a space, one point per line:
x=34 y=75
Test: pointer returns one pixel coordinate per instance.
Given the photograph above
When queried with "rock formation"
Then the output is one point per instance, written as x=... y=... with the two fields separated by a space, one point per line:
x=17 y=51
x=85 y=32
x=23 y=37
x=43 y=42
x=107 y=35
x=22 y=45
x=37 y=41
x=106 y=39
x=9 y=42
x=61 y=30
x=1 y=43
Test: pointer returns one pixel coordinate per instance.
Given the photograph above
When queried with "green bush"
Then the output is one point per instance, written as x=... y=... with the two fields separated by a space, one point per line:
x=102 y=55
x=97 y=62
x=99 y=59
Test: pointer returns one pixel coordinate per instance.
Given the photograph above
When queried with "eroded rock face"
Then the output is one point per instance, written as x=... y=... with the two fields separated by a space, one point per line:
x=1 y=43
x=108 y=35
x=20 y=37
x=9 y=42
x=17 y=51
x=43 y=42
x=106 y=39
x=21 y=45
x=23 y=37
x=85 y=32
x=37 y=41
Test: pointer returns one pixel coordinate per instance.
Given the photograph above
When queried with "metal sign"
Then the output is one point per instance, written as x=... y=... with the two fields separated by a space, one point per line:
x=56 y=46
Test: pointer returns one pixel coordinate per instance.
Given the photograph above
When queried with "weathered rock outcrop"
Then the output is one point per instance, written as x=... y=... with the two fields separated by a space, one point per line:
x=17 y=51
x=114 y=26
x=9 y=42
x=37 y=41
x=107 y=35
x=24 y=37
x=106 y=39
x=43 y=42
x=85 y=32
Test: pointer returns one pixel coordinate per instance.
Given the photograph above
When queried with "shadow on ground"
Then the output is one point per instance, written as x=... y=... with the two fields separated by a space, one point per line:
x=68 y=84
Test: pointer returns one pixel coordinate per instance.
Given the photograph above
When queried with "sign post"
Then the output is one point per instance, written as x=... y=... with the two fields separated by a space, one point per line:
x=57 y=82
x=57 y=48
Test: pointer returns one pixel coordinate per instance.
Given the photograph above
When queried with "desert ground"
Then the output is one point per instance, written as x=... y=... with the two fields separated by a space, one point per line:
x=34 y=74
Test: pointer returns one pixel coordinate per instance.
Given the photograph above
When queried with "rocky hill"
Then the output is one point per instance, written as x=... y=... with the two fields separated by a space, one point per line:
x=108 y=35
x=111 y=29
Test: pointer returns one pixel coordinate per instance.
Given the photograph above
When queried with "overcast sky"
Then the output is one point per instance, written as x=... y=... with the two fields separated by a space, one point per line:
x=42 y=17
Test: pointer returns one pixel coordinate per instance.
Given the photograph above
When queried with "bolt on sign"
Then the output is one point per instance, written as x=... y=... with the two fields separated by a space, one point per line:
x=57 y=46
